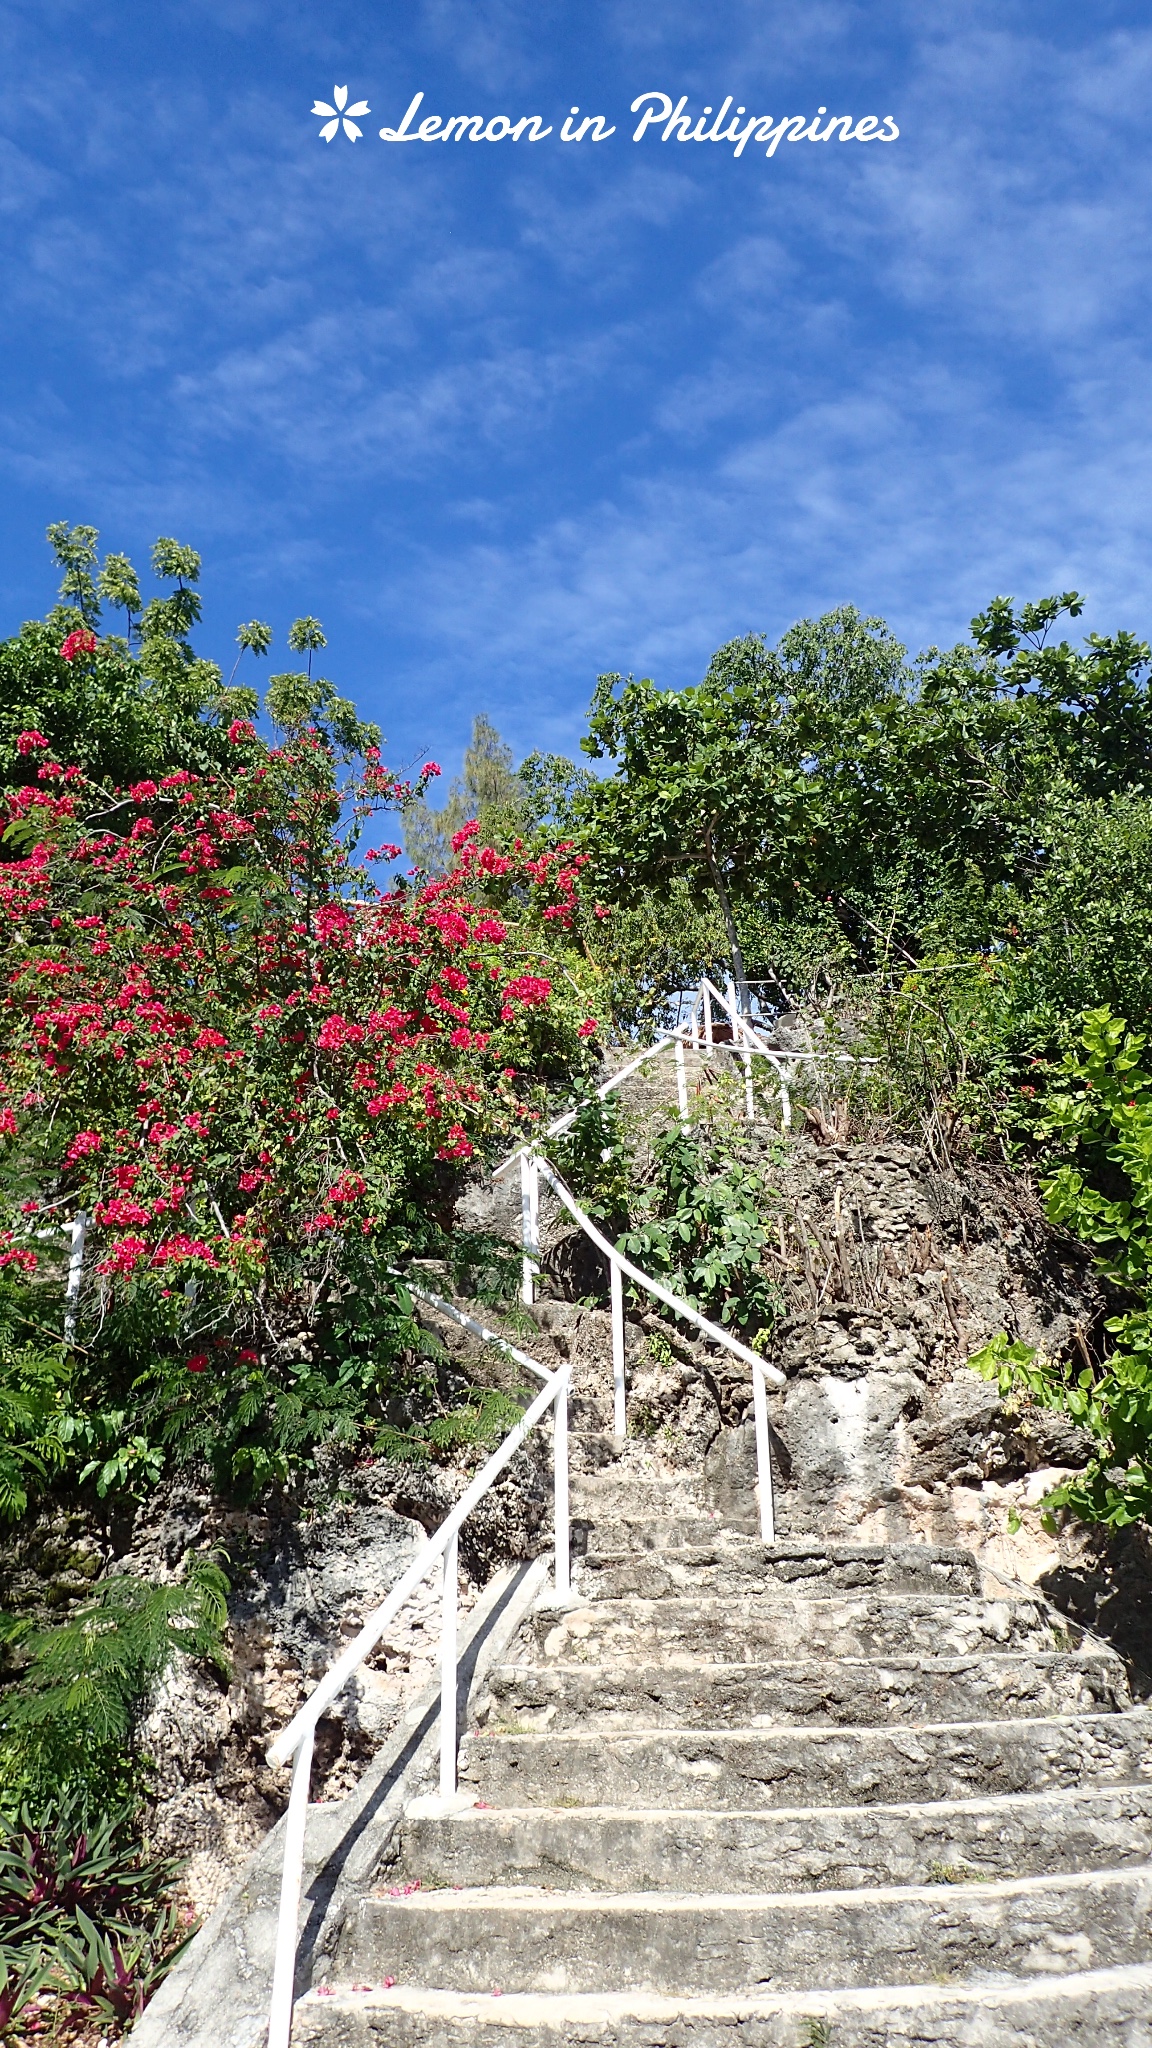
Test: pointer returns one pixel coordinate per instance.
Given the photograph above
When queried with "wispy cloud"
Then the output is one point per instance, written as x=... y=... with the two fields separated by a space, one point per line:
x=514 y=418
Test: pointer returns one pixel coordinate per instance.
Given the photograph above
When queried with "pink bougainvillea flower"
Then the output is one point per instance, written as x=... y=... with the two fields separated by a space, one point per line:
x=80 y=642
x=84 y=1143
x=30 y=742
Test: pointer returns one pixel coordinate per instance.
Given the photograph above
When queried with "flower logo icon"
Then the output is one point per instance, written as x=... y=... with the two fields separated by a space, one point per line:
x=340 y=114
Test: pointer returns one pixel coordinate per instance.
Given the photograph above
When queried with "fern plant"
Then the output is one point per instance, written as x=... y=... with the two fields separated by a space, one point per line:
x=66 y=1716
x=34 y=1379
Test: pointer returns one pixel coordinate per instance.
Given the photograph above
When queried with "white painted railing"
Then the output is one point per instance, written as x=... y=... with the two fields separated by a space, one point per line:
x=534 y=1167
x=295 y=1743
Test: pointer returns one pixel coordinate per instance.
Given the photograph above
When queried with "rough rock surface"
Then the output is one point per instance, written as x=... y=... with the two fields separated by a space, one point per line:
x=892 y=1272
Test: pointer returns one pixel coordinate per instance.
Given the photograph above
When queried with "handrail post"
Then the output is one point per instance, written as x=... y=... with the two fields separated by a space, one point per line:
x=77 y=1230
x=708 y=1040
x=619 y=1407
x=560 y=1516
x=763 y=1458
x=696 y=1002
x=529 y=1225
x=448 y=1670
x=749 y=1097
x=291 y=1884
x=681 y=1082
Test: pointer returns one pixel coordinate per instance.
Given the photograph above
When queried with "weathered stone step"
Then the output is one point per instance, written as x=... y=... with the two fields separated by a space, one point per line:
x=590 y=1414
x=863 y=1692
x=624 y=1491
x=683 y=1944
x=739 y=1768
x=593 y=1450
x=1090 y=2009
x=743 y=1627
x=603 y=1538
x=809 y=1848
x=732 y=1562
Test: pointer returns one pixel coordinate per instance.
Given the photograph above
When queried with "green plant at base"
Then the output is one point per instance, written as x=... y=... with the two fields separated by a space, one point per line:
x=23 y=1976
x=1103 y=1194
x=66 y=1717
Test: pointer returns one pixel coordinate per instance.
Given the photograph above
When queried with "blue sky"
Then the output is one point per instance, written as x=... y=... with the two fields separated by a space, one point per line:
x=506 y=415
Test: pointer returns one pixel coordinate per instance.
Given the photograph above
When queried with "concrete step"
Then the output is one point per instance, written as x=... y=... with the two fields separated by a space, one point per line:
x=612 y=1537
x=731 y=1562
x=770 y=1624
x=683 y=1944
x=810 y=1848
x=590 y=1414
x=747 y=1768
x=864 y=1692
x=593 y=1451
x=622 y=1490
x=1090 y=2009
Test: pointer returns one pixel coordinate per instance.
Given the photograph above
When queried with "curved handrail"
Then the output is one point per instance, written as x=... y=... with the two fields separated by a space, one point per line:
x=618 y=1266
x=656 y=1287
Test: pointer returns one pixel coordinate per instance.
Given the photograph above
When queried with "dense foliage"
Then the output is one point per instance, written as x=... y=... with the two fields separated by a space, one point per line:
x=1097 y=1114
x=252 y=1075
x=239 y=1082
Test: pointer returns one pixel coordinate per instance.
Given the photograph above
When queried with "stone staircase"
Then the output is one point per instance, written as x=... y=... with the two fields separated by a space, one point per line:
x=812 y=1795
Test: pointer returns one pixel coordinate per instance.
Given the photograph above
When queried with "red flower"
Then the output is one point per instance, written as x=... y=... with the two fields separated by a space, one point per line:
x=30 y=742
x=336 y=1031
x=241 y=729
x=430 y=768
x=124 y=1257
x=143 y=792
x=82 y=1144
x=26 y=1261
x=587 y=1028
x=80 y=642
x=198 y=1362
x=527 y=989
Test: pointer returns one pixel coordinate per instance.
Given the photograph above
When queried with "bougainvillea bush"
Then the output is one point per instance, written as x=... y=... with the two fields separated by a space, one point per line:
x=254 y=1077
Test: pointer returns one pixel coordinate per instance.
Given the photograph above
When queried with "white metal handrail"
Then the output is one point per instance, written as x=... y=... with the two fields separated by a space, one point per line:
x=619 y=1267
x=297 y=1740
x=698 y=1033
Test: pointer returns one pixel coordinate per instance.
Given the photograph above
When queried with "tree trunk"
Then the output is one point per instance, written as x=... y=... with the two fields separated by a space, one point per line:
x=743 y=994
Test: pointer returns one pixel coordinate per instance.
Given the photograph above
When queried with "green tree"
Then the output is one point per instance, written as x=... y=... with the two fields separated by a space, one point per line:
x=489 y=790
x=706 y=784
x=120 y=714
